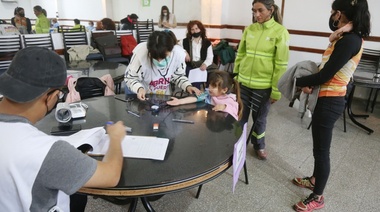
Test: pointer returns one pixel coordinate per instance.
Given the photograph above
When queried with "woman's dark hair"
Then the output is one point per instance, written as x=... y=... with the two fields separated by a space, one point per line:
x=269 y=4
x=175 y=40
x=17 y=10
x=162 y=13
x=76 y=21
x=357 y=12
x=200 y=26
x=108 y=24
x=223 y=79
x=37 y=8
x=159 y=44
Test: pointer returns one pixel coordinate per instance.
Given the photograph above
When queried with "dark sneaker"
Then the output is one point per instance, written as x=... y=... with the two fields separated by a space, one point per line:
x=262 y=154
x=303 y=182
x=313 y=202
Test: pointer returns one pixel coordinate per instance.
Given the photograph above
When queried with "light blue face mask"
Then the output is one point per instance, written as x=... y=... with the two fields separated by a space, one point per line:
x=163 y=63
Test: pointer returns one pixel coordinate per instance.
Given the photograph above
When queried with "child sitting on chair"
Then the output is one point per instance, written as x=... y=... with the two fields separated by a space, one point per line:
x=223 y=92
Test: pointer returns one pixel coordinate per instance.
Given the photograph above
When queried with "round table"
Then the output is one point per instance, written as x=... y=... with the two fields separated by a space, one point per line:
x=196 y=154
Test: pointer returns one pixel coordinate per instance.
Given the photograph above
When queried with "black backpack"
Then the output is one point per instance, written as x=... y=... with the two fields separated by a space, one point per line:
x=90 y=87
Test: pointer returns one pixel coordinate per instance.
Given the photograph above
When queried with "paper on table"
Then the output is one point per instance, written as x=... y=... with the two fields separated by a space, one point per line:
x=140 y=147
x=133 y=146
x=197 y=75
x=95 y=137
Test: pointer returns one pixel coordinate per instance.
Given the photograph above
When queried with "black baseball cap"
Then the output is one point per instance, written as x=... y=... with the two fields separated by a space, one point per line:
x=33 y=71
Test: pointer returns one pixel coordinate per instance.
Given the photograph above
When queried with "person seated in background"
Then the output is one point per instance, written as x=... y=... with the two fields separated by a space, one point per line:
x=42 y=23
x=55 y=23
x=166 y=19
x=129 y=22
x=77 y=25
x=108 y=24
x=21 y=22
x=155 y=65
x=99 y=26
x=90 y=27
x=198 y=48
x=50 y=168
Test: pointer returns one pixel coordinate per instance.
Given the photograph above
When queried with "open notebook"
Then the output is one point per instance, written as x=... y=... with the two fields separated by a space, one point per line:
x=133 y=146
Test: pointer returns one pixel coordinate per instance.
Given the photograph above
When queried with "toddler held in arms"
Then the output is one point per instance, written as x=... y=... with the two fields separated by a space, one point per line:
x=223 y=93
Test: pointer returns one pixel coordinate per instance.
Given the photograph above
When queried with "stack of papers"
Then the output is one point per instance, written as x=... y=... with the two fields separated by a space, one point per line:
x=146 y=147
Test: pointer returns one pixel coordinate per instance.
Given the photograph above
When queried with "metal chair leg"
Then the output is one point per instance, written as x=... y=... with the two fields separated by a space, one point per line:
x=199 y=191
x=245 y=172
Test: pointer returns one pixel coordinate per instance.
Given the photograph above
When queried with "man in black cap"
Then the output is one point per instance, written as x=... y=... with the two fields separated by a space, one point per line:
x=39 y=171
x=129 y=22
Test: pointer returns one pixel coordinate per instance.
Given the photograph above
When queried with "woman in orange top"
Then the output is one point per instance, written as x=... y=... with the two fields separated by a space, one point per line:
x=350 y=21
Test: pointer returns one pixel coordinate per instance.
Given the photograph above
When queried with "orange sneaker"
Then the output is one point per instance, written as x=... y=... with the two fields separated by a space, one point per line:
x=313 y=202
x=303 y=183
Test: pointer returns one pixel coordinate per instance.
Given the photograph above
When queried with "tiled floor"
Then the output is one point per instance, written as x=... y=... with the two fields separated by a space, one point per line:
x=353 y=184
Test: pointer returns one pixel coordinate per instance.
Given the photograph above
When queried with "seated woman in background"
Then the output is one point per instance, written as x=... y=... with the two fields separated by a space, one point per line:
x=166 y=19
x=90 y=27
x=198 y=48
x=108 y=24
x=129 y=22
x=55 y=23
x=155 y=65
x=20 y=22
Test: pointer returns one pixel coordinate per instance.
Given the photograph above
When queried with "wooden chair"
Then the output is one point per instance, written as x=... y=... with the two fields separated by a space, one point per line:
x=9 y=46
x=40 y=40
x=144 y=29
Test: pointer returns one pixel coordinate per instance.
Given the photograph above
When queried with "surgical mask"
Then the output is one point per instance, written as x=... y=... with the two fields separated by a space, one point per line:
x=197 y=34
x=333 y=24
x=165 y=14
x=163 y=63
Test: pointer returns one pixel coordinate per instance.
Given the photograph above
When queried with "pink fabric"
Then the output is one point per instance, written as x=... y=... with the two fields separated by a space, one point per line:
x=232 y=106
x=110 y=86
x=74 y=96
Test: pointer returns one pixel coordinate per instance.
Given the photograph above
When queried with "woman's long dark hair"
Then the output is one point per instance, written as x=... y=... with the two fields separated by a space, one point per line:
x=357 y=12
x=162 y=13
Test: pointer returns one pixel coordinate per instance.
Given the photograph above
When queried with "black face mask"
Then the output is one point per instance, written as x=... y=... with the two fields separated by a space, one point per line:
x=195 y=35
x=21 y=14
x=333 y=24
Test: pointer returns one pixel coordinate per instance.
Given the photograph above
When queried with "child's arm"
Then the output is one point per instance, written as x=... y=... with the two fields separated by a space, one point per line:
x=175 y=101
x=187 y=100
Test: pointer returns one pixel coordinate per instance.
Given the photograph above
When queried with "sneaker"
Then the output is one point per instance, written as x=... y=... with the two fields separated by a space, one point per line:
x=303 y=182
x=313 y=202
x=262 y=154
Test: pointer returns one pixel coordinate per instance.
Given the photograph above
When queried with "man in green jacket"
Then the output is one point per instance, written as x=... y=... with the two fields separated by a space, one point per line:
x=42 y=23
